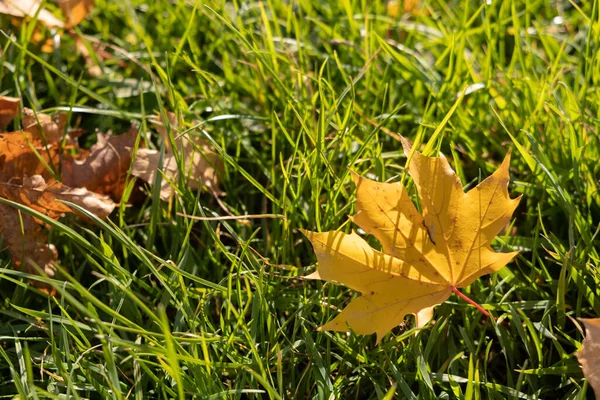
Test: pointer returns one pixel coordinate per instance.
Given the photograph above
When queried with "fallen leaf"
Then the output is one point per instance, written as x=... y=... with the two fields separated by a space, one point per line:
x=18 y=158
x=75 y=11
x=105 y=169
x=45 y=198
x=24 y=235
x=425 y=257
x=9 y=108
x=201 y=163
x=35 y=152
x=424 y=316
x=589 y=355
x=37 y=149
x=50 y=128
x=29 y=8
x=26 y=241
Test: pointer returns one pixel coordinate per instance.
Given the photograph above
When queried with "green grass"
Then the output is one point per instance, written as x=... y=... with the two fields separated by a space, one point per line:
x=294 y=94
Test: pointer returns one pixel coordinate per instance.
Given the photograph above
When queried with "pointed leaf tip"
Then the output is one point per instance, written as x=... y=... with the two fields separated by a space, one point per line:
x=304 y=231
x=406 y=145
x=314 y=276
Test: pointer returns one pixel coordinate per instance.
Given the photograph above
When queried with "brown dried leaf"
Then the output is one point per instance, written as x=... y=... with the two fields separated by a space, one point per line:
x=9 y=108
x=105 y=169
x=589 y=355
x=28 y=8
x=75 y=10
x=26 y=241
x=145 y=166
x=199 y=167
x=17 y=157
x=50 y=127
x=35 y=193
x=24 y=235
x=201 y=162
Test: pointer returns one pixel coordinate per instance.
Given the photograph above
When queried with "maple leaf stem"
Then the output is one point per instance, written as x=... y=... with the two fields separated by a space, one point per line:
x=473 y=303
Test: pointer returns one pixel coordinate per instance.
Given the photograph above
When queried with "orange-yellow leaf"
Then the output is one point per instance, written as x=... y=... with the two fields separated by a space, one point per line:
x=589 y=355
x=425 y=256
x=75 y=10
x=36 y=149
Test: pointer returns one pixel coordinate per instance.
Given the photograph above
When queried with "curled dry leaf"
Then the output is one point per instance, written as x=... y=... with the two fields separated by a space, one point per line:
x=104 y=170
x=201 y=162
x=9 y=108
x=27 y=243
x=424 y=316
x=45 y=198
x=29 y=8
x=34 y=152
x=425 y=256
x=37 y=149
x=51 y=128
x=74 y=11
x=589 y=355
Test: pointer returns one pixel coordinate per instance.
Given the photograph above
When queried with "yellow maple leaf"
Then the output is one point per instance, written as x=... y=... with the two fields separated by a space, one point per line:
x=425 y=256
x=589 y=354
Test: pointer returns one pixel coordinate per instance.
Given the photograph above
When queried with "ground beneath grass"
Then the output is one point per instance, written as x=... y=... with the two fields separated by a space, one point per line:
x=292 y=95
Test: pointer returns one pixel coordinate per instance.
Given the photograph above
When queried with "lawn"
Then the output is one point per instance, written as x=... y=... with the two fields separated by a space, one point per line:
x=170 y=300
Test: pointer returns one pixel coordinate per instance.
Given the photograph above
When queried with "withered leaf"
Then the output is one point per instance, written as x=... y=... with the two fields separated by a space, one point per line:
x=105 y=169
x=24 y=235
x=9 y=108
x=201 y=162
x=26 y=241
x=589 y=355
x=35 y=193
x=28 y=8
x=17 y=157
x=50 y=128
